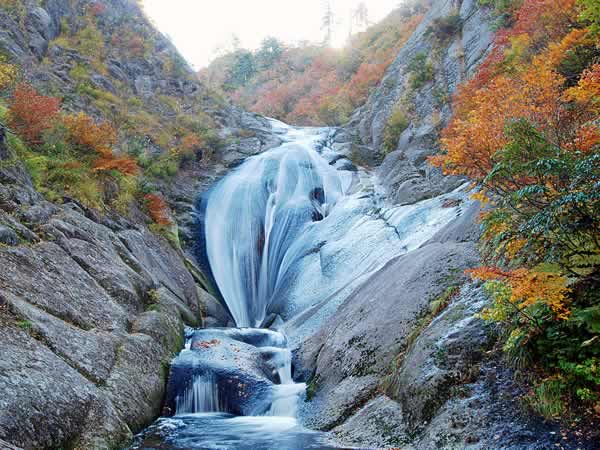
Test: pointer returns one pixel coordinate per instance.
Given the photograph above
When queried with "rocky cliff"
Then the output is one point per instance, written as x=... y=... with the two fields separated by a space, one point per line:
x=93 y=304
x=445 y=49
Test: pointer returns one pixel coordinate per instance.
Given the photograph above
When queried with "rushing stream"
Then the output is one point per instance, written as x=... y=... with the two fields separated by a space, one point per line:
x=289 y=234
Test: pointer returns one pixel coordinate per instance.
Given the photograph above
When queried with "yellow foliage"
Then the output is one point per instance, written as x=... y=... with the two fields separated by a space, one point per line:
x=481 y=196
x=530 y=287
x=587 y=90
x=514 y=247
x=8 y=73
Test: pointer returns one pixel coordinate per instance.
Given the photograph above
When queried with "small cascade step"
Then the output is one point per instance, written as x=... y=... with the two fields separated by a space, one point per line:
x=202 y=395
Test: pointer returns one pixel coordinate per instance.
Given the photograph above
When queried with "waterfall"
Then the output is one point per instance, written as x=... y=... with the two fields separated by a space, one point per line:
x=255 y=218
x=201 y=396
x=292 y=232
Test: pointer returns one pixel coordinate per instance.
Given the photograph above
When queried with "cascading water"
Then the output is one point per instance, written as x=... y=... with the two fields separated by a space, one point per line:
x=254 y=219
x=289 y=233
x=201 y=396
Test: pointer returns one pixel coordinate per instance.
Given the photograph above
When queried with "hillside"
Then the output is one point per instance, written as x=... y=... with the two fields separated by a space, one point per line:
x=311 y=84
x=106 y=137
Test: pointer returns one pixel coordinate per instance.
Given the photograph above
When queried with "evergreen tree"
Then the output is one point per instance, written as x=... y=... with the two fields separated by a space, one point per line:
x=269 y=53
x=328 y=23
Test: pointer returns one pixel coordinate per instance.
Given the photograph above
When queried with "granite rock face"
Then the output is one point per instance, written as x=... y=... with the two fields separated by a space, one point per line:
x=92 y=307
x=404 y=171
x=355 y=349
x=91 y=311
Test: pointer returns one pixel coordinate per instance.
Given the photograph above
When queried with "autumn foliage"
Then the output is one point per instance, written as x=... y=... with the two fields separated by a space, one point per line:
x=157 y=209
x=86 y=133
x=8 y=73
x=526 y=127
x=76 y=152
x=312 y=84
x=30 y=113
x=529 y=288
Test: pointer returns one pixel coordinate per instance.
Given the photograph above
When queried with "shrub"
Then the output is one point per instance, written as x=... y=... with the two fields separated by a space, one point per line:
x=421 y=70
x=157 y=209
x=165 y=166
x=90 y=41
x=79 y=73
x=87 y=135
x=444 y=28
x=8 y=73
x=108 y=162
x=590 y=14
x=30 y=113
x=396 y=124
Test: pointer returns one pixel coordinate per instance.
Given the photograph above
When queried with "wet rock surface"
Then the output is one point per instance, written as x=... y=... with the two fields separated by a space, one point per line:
x=232 y=388
x=238 y=362
x=356 y=347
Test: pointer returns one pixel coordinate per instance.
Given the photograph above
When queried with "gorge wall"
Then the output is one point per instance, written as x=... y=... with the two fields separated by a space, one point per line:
x=404 y=361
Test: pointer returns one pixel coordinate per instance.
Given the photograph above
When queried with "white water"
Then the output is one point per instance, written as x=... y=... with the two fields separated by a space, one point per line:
x=256 y=216
x=289 y=233
x=201 y=396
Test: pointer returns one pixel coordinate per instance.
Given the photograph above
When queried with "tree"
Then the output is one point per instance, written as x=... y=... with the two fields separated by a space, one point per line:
x=526 y=129
x=30 y=113
x=269 y=54
x=242 y=70
x=360 y=16
x=328 y=23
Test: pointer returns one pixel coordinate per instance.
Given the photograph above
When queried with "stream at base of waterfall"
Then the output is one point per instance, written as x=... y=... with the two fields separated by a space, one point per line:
x=289 y=235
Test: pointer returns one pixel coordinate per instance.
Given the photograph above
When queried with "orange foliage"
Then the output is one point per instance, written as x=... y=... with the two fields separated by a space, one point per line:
x=472 y=138
x=588 y=137
x=539 y=20
x=136 y=46
x=534 y=91
x=587 y=90
x=30 y=113
x=530 y=287
x=367 y=76
x=84 y=131
x=312 y=85
x=108 y=161
x=191 y=142
x=158 y=209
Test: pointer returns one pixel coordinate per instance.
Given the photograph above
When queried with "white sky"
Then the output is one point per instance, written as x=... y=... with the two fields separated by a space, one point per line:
x=200 y=27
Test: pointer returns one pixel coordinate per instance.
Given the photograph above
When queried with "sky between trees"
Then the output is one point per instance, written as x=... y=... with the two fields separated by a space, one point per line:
x=203 y=29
